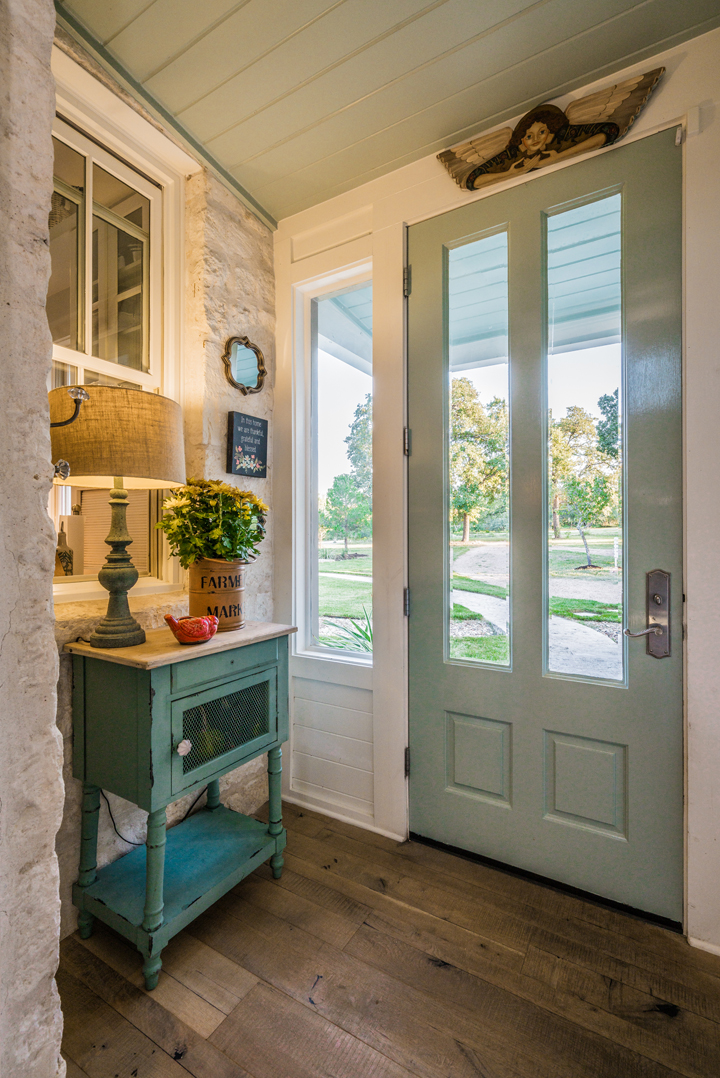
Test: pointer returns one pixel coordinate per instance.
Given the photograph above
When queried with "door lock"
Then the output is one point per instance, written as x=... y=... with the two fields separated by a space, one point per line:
x=657 y=606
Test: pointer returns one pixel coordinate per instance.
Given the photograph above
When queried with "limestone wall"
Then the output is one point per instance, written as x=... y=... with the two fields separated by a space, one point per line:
x=31 y=754
x=229 y=292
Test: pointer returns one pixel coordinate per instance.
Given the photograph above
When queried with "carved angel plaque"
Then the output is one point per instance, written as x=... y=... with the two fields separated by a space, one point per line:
x=546 y=134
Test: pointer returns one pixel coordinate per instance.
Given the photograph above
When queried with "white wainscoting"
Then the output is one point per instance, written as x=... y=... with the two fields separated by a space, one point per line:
x=331 y=737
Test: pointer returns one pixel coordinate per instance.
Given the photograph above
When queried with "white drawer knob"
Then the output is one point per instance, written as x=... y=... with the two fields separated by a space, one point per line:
x=184 y=747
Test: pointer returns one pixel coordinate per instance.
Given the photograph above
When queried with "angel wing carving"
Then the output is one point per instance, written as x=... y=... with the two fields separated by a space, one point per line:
x=618 y=104
x=460 y=160
x=547 y=134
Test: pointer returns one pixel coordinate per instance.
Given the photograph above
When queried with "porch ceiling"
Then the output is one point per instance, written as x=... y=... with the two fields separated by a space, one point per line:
x=299 y=100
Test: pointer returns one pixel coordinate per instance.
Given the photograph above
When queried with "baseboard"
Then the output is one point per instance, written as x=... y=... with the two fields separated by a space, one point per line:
x=703 y=945
x=315 y=805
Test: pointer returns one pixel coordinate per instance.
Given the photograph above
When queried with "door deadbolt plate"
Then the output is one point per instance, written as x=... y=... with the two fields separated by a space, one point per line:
x=658 y=613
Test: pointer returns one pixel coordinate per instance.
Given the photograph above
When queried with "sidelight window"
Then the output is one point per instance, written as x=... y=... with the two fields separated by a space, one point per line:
x=341 y=550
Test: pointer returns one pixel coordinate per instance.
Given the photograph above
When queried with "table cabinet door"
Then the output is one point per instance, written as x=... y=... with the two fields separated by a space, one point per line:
x=224 y=725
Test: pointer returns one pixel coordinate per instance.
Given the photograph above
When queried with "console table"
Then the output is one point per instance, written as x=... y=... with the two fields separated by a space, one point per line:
x=153 y=723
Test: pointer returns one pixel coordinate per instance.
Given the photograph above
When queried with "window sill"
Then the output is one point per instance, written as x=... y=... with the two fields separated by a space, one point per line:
x=87 y=590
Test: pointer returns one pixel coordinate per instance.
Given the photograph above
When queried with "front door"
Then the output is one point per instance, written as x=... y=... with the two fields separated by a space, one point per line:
x=545 y=484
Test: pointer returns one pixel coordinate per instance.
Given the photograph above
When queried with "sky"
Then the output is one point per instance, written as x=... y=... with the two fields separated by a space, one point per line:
x=340 y=389
x=575 y=378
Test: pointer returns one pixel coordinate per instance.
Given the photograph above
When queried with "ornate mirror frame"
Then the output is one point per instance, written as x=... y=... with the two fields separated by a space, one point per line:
x=226 y=358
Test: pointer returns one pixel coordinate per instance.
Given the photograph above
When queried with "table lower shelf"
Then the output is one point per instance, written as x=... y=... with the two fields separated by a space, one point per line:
x=205 y=856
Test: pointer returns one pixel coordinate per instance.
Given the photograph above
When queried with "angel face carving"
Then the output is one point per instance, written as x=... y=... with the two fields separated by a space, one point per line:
x=535 y=139
x=546 y=134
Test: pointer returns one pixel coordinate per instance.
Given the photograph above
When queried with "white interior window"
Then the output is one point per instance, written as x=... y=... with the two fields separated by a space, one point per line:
x=105 y=309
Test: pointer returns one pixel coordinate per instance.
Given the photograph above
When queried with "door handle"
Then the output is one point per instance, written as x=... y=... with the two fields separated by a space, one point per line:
x=657 y=607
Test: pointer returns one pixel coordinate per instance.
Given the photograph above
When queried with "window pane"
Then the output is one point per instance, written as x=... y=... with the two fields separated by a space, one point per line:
x=92 y=378
x=83 y=524
x=117 y=196
x=63 y=374
x=119 y=318
x=584 y=605
x=342 y=602
x=63 y=300
x=479 y=451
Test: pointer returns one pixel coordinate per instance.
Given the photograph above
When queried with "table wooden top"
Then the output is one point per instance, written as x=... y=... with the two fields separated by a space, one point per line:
x=161 y=648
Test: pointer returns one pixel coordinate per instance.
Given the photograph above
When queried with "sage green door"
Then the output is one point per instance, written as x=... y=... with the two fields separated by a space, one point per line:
x=545 y=483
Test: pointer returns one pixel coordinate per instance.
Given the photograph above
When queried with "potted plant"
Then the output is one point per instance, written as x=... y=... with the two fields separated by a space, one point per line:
x=215 y=530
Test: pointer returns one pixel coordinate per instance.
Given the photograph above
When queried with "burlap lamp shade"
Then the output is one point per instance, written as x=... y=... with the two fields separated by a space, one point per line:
x=120 y=438
x=119 y=432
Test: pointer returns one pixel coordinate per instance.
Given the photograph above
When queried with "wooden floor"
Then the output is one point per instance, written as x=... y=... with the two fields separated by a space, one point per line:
x=370 y=959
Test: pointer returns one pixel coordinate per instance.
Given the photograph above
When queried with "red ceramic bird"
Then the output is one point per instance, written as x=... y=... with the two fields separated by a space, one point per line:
x=189 y=630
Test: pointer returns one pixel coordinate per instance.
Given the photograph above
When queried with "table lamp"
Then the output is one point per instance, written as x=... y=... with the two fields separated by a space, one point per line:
x=124 y=439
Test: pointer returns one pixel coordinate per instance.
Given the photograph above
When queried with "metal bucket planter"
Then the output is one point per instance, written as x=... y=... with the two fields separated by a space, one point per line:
x=217 y=587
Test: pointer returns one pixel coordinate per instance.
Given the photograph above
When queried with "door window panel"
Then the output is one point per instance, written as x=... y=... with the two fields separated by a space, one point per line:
x=584 y=538
x=341 y=547
x=478 y=452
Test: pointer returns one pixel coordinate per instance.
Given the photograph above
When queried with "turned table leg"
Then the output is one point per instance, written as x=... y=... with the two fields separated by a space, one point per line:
x=275 y=805
x=213 y=794
x=88 y=850
x=154 y=874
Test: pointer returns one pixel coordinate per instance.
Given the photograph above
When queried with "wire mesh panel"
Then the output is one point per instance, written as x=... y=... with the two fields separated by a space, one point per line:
x=225 y=723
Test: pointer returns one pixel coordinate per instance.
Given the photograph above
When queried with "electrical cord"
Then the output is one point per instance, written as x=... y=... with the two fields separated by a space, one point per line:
x=129 y=840
x=112 y=820
x=193 y=805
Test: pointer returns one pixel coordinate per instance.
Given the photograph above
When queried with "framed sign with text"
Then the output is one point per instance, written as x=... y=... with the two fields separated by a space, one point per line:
x=247 y=445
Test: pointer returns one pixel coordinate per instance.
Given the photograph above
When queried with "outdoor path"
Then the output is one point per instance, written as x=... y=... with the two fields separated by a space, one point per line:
x=574 y=648
x=587 y=587
x=494 y=610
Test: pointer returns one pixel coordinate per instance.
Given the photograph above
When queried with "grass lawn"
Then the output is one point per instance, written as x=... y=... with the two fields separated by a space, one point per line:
x=570 y=608
x=463 y=614
x=344 y=598
x=486 y=649
x=356 y=566
x=564 y=561
x=468 y=583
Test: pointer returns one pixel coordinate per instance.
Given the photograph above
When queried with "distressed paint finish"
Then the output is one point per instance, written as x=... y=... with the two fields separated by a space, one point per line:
x=31 y=757
x=126 y=721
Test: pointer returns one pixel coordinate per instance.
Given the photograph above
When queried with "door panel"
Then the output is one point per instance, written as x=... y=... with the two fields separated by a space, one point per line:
x=562 y=753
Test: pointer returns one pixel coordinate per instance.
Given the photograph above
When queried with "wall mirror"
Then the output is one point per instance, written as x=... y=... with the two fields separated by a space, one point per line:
x=244 y=365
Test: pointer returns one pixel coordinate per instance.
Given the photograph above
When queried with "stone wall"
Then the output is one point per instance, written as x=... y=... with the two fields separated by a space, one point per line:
x=31 y=756
x=229 y=292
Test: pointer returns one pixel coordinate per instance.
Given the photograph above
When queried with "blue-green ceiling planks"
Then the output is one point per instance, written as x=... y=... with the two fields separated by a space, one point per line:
x=299 y=100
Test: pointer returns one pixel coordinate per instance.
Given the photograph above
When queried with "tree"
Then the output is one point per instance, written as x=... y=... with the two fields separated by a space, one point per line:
x=359 y=446
x=478 y=452
x=586 y=501
x=347 y=510
x=608 y=431
x=575 y=453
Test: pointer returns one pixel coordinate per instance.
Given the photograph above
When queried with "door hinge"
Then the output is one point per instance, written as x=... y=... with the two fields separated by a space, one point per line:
x=407 y=761
x=406 y=441
x=406 y=602
x=407 y=280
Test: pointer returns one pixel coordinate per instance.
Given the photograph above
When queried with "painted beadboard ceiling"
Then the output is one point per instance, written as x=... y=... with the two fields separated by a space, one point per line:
x=298 y=100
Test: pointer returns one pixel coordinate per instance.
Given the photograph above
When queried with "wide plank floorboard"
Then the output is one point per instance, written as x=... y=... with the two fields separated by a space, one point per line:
x=378 y=959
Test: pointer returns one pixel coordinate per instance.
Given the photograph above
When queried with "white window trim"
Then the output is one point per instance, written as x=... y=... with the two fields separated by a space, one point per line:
x=305 y=437
x=105 y=118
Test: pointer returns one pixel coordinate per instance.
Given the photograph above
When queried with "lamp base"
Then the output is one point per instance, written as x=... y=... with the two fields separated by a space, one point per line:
x=118 y=629
x=117 y=633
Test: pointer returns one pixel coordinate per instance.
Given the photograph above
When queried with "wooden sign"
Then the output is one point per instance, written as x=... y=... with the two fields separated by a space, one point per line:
x=247 y=445
x=547 y=134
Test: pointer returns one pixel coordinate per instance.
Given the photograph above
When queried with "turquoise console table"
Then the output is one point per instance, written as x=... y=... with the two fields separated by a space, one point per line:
x=156 y=722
